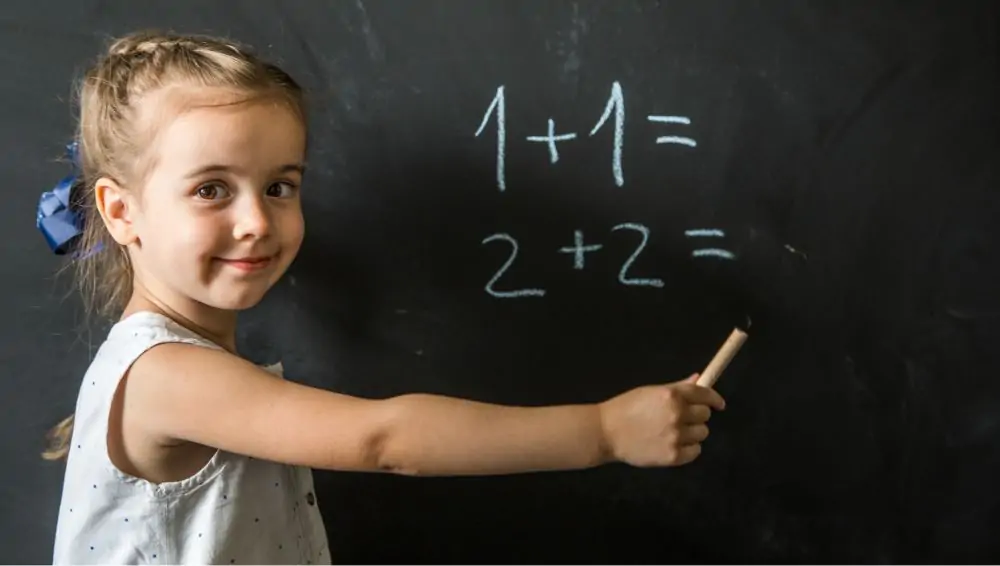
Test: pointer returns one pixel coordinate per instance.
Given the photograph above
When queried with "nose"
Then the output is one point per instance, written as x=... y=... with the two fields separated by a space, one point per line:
x=253 y=219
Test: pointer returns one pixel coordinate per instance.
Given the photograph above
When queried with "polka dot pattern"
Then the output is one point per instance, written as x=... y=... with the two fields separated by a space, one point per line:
x=235 y=502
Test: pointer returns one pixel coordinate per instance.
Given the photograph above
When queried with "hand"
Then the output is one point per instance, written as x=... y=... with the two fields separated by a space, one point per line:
x=659 y=425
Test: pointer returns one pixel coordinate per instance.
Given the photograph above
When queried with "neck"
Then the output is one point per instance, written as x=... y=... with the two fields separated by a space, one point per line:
x=216 y=325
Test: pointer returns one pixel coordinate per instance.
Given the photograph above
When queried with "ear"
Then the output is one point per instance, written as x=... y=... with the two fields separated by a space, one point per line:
x=114 y=205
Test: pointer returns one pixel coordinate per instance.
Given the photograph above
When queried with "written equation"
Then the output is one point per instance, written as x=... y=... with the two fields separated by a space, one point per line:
x=550 y=139
x=615 y=108
x=579 y=250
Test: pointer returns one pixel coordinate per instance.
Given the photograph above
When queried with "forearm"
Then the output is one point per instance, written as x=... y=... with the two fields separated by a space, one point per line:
x=435 y=435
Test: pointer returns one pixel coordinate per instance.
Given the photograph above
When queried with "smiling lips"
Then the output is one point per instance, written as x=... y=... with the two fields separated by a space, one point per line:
x=249 y=264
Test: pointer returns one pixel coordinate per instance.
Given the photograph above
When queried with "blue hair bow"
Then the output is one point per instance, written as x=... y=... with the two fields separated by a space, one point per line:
x=58 y=218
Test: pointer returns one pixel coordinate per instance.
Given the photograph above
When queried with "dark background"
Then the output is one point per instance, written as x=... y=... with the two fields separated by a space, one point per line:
x=848 y=149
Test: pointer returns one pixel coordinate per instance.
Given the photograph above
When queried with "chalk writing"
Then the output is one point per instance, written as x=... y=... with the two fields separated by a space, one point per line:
x=673 y=139
x=578 y=249
x=623 y=274
x=615 y=106
x=551 y=139
x=704 y=232
x=616 y=102
x=709 y=252
x=510 y=260
x=500 y=106
x=713 y=252
x=670 y=119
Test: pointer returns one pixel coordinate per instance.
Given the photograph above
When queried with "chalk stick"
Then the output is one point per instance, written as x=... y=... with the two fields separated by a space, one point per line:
x=722 y=358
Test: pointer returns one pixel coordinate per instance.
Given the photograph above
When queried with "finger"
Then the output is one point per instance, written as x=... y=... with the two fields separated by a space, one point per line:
x=704 y=396
x=692 y=435
x=696 y=414
x=687 y=454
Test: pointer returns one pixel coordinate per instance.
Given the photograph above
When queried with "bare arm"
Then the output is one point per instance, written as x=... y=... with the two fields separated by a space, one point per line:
x=195 y=394
x=434 y=435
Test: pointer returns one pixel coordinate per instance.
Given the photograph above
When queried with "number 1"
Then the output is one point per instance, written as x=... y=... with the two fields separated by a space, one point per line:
x=500 y=106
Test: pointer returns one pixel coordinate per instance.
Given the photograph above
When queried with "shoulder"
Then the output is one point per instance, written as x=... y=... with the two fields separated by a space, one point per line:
x=131 y=337
x=147 y=326
x=185 y=382
x=126 y=342
x=176 y=361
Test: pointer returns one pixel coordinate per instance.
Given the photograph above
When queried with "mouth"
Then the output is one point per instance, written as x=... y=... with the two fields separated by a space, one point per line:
x=249 y=263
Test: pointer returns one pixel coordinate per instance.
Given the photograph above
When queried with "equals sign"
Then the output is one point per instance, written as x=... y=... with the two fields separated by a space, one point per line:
x=709 y=252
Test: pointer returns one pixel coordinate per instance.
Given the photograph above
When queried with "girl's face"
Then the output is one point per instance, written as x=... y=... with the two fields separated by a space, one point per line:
x=219 y=219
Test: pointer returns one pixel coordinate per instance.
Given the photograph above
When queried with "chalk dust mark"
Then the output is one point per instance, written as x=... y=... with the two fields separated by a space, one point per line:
x=375 y=50
x=795 y=251
x=572 y=63
x=965 y=314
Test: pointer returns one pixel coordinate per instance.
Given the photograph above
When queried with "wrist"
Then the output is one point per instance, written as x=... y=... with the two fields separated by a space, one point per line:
x=605 y=448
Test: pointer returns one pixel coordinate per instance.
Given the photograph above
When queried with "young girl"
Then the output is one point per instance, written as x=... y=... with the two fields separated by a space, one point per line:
x=180 y=451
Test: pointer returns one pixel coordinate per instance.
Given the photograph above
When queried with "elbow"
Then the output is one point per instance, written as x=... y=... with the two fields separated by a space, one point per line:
x=384 y=458
x=385 y=450
x=401 y=471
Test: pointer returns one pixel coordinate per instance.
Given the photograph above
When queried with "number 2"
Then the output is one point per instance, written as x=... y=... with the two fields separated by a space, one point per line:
x=510 y=260
x=622 y=275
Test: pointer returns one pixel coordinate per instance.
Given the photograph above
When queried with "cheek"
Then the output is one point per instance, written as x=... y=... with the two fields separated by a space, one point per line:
x=293 y=229
x=177 y=234
x=202 y=239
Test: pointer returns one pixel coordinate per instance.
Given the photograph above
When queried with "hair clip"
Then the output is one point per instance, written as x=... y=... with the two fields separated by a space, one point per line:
x=58 y=218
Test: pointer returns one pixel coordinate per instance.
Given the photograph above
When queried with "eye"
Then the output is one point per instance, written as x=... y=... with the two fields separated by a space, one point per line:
x=281 y=189
x=211 y=191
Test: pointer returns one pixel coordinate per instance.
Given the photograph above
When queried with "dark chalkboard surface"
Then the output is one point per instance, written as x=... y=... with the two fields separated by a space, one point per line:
x=528 y=202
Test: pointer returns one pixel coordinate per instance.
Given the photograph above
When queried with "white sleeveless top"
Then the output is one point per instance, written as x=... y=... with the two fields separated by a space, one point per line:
x=235 y=510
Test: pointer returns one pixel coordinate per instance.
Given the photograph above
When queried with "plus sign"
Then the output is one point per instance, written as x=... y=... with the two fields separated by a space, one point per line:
x=578 y=249
x=551 y=139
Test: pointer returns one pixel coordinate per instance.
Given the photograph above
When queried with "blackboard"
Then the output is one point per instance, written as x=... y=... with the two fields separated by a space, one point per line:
x=839 y=157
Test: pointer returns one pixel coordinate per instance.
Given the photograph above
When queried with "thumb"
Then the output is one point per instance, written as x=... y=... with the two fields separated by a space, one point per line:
x=693 y=378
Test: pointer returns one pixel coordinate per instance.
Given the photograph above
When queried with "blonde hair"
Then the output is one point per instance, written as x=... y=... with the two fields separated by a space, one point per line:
x=111 y=144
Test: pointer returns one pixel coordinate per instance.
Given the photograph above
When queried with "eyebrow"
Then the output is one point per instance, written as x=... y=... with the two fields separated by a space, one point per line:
x=299 y=168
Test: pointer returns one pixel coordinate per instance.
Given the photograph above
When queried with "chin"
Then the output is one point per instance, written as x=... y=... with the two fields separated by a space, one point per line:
x=236 y=305
x=237 y=299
